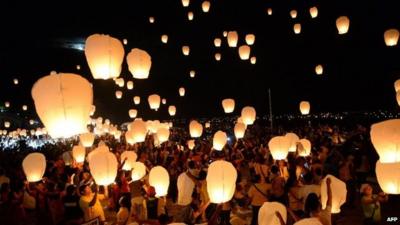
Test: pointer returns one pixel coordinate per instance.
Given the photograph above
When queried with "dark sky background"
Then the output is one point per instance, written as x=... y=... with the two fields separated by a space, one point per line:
x=359 y=70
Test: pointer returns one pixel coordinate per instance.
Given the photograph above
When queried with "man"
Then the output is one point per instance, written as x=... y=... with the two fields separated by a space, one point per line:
x=90 y=204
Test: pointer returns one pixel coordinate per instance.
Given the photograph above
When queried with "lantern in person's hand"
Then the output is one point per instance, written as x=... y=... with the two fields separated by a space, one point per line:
x=138 y=171
x=279 y=147
x=388 y=177
x=87 y=139
x=239 y=130
x=139 y=63
x=343 y=24
x=129 y=157
x=34 y=166
x=139 y=130
x=221 y=181
x=159 y=179
x=339 y=193
x=267 y=215
x=219 y=140
x=248 y=115
x=103 y=167
x=79 y=153
x=385 y=137
x=162 y=134
x=293 y=139
x=228 y=104
x=195 y=129
x=304 y=147
x=304 y=108
x=191 y=144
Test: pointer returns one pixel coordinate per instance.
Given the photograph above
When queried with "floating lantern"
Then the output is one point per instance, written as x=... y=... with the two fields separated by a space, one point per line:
x=221 y=181
x=244 y=52
x=297 y=28
x=398 y=97
x=343 y=24
x=217 y=56
x=192 y=73
x=181 y=91
x=219 y=140
x=103 y=167
x=293 y=139
x=24 y=107
x=159 y=179
x=248 y=115
x=190 y=16
x=130 y=158
x=138 y=171
x=34 y=166
x=15 y=81
x=217 y=42
x=253 y=60
x=195 y=129
x=164 y=38
x=228 y=104
x=319 y=69
x=313 y=12
x=125 y=41
x=239 y=130
x=118 y=94
x=7 y=124
x=154 y=101
x=304 y=107
x=92 y=110
x=164 y=101
x=104 y=55
x=63 y=102
x=129 y=85
x=191 y=144
x=78 y=67
x=79 y=153
x=269 y=11
x=225 y=33
x=205 y=6
x=233 y=38
x=7 y=104
x=136 y=100
x=139 y=63
x=339 y=192
x=120 y=82
x=139 y=130
x=293 y=13
x=279 y=147
x=31 y=122
x=250 y=39
x=185 y=3
x=304 y=148
x=267 y=215
x=385 y=136
x=172 y=110
x=151 y=19
x=163 y=134
x=391 y=37
x=132 y=113
x=388 y=176
x=87 y=139
x=185 y=50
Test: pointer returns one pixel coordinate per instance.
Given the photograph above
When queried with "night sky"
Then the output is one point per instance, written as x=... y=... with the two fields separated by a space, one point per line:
x=359 y=70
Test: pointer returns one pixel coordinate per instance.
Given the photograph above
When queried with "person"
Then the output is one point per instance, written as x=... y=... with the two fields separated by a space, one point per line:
x=258 y=194
x=137 y=192
x=278 y=187
x=370 y=204
x=72 y=213
x=123 y=214
x=308 y=188
x=153 y=206
x=90 y=204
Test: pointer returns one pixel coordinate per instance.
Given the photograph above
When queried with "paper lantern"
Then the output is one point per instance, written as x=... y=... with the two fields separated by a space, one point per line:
x=269 y=11
x=163 y=134
x=172 y=110
x=205 y=6
x=78 y=67
x=15 y=81
x=309 y=221
x=139 y=130
x=104 y=55
x=342 y=24
x=248 y=115
x=293 y=13
x=139 y=63
x=244 y=52
x=129 y=85
x=319 y=69
x=79 y=153
x=207 y=125
x=385 y=136
x=221 y=181
x=253 y=60
x=388 y=176
x=233 y=38
x=34 y=166
x=138 y=171
x=266 y=215
x=87 y=139
x=217 y=56
x=120 y=82
x=154 y=101
x=391 y=37
x=159 y=179
x=304 y=148
x=313 y=12
x=125 y=41
x=63 y=102
x=239 y=130
x=191 y=144
x=185 y=50
x=219 y=140
x=7 y=104
x=118 y=94
x=164 y=101
x=130 y=158
x=132 y=113
x=103 y=167
x=225 y=33
x=181 y=91
x=398 y=98
x=185 y=3
x=92 y=110
x=151 y=19
x=304 y=107
x=250 y=39
x=195 y=129
x=185 y=186
x=217 y=42
x=279 y=147
x=164 y=38
x=293 y=139
x=297 y=28
x=192 y=73
x=190 y=16
x=24 y=107
x=136 y=100
x=228 y=104
x=31 y=122
x=339 y=193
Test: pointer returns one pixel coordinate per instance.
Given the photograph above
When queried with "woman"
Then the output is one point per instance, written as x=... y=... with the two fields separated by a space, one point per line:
x=258 y=193
x=370 y=204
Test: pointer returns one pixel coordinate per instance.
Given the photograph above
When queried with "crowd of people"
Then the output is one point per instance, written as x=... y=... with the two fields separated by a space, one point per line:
x=68 y=195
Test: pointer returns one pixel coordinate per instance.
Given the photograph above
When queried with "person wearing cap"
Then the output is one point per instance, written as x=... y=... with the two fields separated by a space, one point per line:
x=90 y=204
x=370 y=204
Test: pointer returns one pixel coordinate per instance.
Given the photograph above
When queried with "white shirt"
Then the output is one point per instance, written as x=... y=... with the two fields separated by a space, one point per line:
x=185 y=189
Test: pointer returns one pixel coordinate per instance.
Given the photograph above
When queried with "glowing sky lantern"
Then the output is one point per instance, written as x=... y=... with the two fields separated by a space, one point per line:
x=24 y=107
x=63 y=102
x=164 y=38
x=293 y=139
x=191 y=143
x=207 y=125
x=195 y=129
x=304 y=147
x=92 y=110
x=154 y=101
x=221 y=181
x=293 y=13
x=217 y=42
x=228 y=104
x=136 y=100
x=172 y=110
x=79 y=153
x=385 y=136
x=205 y=6
x=250 y=39
x=391 y=37
x=103 y=167
x=151 y=19
x=139 y=130
x=7 y=124
x=343 y=24
x=313 y=12
x=120 y=82
x=181 y=91
x=31 y=122
x=244 y=52
x=164 y=101
x=225 y=33
x=185 y=50
x=253 y=60
x=219 y=140
x=139 y=63
x=132 y=113
x=78 y=67
x=233 y=38
x=130 y=158
x=279 y=147
x=398 y=97
x=267 y=215
x=15 y=81
x=7 y=104
x=118 y=94
x=190 y=16
x=239 y=130
x=192 y=73
x=185 y=3
x=87 y=139
x=304 y=107
x=248 y=115
x=125 y=41
x=34 y=166
x=388 y=176
x=159 y=179
x=104 y=55
x=269 y=11
x=319 y=69
x=297 y=28
x=129 y=85
x=162 y=134
x=217 y=56
x=138 y=171
x=339 y=192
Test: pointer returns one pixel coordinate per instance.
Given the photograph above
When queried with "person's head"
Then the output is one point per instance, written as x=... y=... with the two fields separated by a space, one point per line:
x=85 y=190
x=312 y=205
x=282 y=163
x=191 y=165
x=308 y=178
x=202 y=175
x=151 y=191
x=256 y=179
x=274 y=169
x=366 y=189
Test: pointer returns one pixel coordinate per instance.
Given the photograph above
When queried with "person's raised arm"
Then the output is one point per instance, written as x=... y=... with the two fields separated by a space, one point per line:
x=329 y=190
x=94 y=199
